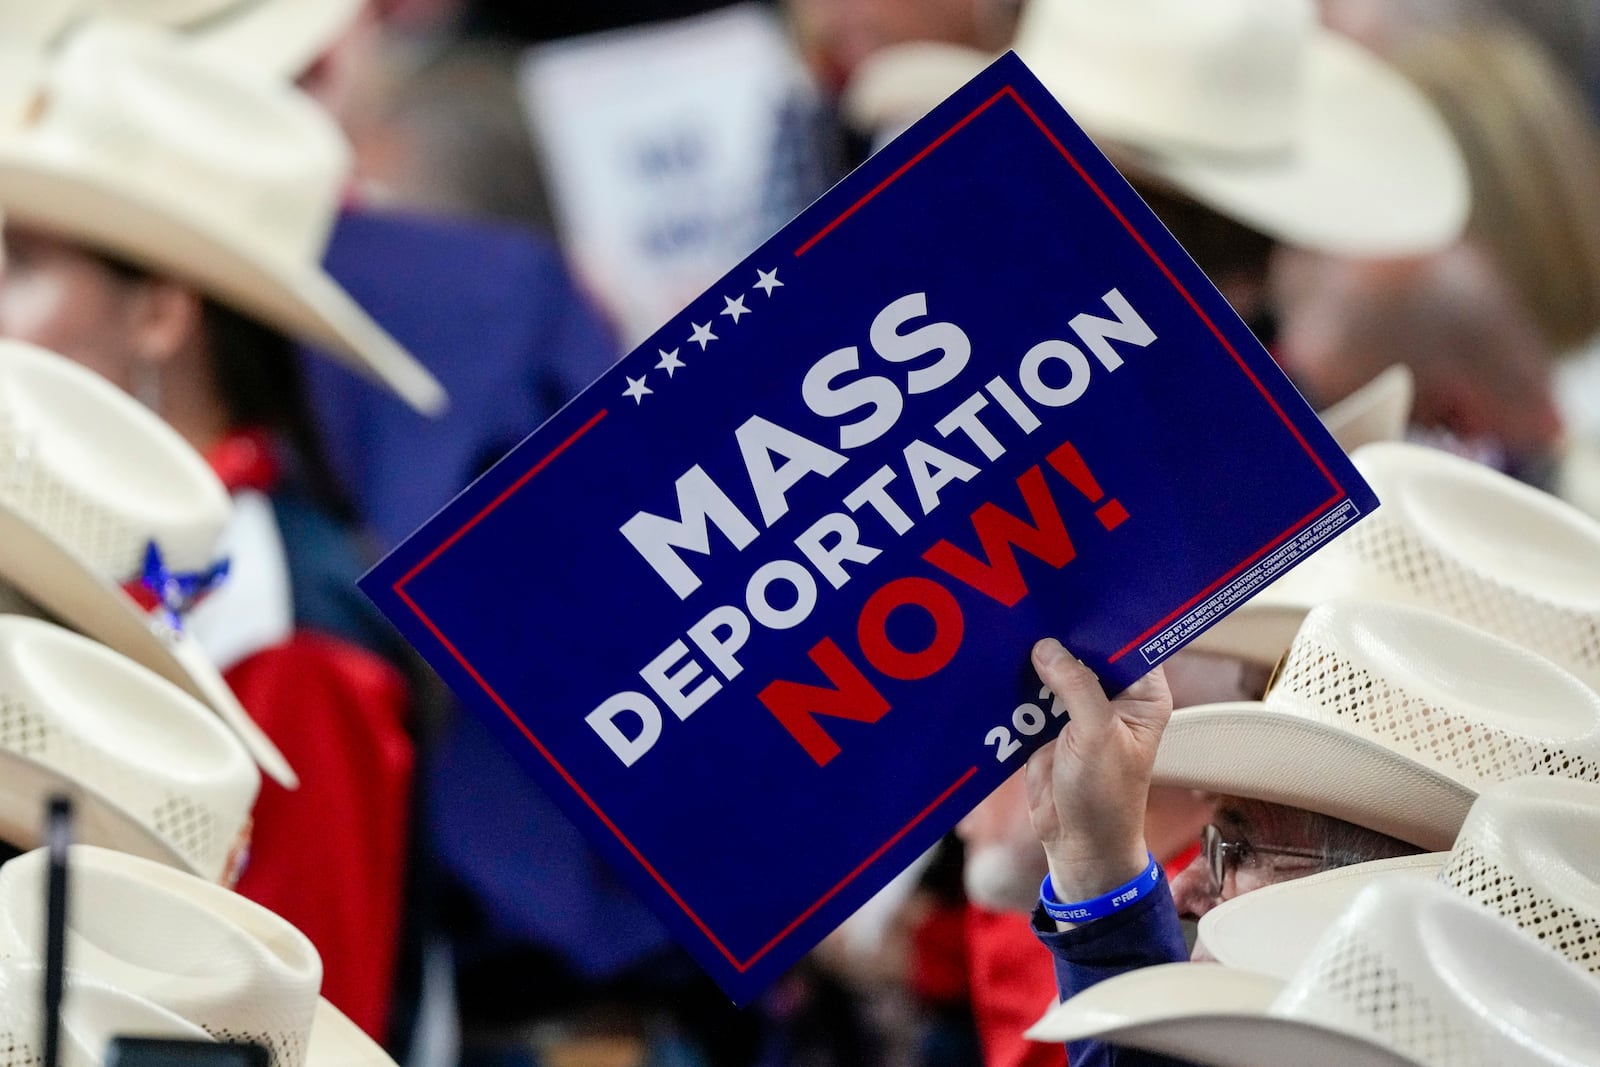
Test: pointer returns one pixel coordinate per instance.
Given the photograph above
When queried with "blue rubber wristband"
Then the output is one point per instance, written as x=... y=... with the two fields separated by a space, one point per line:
x=1104 y=904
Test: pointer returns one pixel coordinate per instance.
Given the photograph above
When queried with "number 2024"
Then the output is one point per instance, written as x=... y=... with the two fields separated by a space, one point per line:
x=1029 y=719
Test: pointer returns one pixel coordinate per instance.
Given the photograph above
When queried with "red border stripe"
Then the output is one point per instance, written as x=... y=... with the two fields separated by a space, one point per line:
x=913 y=161
x=1214 y=586
x=501 y=499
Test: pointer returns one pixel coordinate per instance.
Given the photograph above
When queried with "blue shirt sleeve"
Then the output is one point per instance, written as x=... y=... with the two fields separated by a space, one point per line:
x=1148 y=933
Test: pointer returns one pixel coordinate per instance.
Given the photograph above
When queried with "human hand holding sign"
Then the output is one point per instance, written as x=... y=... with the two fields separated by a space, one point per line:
x=1087 y=788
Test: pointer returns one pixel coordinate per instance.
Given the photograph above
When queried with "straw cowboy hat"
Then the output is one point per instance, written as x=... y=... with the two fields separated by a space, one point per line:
x=183 y=164
x=1529 y=852
x=155 y=773
x=92 y=1013
x=277 y=37
x=1248 y=106
x=1411 y=975
x=97 y=495
x=202 y=952
x=1453 y=536
x=1392 y=718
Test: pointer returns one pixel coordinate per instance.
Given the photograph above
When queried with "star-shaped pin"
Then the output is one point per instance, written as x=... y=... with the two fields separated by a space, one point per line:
x=769 y=281
x=669 y=361
x=735 y=307
x=702 y=335
x=637 y=389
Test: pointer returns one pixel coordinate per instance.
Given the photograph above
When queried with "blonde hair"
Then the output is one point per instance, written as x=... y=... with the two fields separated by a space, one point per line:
x=1533 y=154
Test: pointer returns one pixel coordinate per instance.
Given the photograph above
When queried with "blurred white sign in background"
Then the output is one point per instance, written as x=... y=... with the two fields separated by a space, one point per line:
x=671 y=151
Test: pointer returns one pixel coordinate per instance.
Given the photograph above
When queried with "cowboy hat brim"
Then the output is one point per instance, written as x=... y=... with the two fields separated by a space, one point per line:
x=58 y=582
x=337 y=1042
x=1207 y=1014
x=1374 y=171
x=1249 y=750
x=1272 y=930
x=1378 y=411
x=96 y=819
x=67 y=196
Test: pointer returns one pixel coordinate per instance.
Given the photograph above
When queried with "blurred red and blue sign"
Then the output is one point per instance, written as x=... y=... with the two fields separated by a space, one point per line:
x=756 y=608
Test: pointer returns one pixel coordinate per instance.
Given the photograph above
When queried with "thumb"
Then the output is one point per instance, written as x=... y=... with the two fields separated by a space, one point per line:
x=1074 y=684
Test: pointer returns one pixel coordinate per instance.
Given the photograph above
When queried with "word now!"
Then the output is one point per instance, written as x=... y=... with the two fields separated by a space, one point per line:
x=850 y=694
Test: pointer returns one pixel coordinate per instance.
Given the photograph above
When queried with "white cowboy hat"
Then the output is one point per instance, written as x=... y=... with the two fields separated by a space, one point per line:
x=89 y=481
x=225 y=178
x=277 y=37
x=200 y=951
x=1378 y=411
x=1529 y=852
x=155 y=773
x=1410 y=976
x=1392 y=718
x=1453 y=536
x=92 y=1013
x=1248 y=106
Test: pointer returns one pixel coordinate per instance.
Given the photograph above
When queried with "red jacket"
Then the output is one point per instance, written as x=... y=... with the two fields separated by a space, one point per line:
x=1013 y=983
x=330 y=856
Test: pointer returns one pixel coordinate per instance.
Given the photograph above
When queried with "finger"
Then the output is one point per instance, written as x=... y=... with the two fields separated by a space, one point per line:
x=1073 y=683
x=1147 y=702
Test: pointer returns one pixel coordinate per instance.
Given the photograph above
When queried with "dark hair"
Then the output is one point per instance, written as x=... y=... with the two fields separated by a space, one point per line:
x=1219 y=246
x=262 y=387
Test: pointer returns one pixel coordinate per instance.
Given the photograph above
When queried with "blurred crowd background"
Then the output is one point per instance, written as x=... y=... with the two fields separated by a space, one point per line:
x=536 y=186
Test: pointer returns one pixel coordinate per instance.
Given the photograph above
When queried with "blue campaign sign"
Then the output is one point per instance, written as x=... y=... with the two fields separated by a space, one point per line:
x=756 y=608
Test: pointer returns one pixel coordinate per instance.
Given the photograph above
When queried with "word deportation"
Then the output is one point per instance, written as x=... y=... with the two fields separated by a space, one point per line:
x=1052 y=374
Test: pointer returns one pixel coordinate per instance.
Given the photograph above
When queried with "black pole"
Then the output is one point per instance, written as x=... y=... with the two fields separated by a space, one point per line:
x=57 y=836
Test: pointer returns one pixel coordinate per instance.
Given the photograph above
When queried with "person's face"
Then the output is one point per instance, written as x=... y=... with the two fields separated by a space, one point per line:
x=1211 y=678
x=337 y=78
x=57 y=296
x=1318 y=298
x=1252 y=832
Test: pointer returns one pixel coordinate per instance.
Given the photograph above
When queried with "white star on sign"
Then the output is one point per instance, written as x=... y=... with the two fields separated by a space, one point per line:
x=669 y=361
x=637 y=389
x=702 y=335
x=735 y=307
x=769 y=281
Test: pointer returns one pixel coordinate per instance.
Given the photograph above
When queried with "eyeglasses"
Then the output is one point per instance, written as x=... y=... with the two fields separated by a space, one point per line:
x=1223 y=856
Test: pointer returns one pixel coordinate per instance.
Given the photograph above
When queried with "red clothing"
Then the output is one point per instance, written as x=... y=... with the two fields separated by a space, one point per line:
x=1013 y=982
x=1176 y=864
x=329 y=856
x=938 y=957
